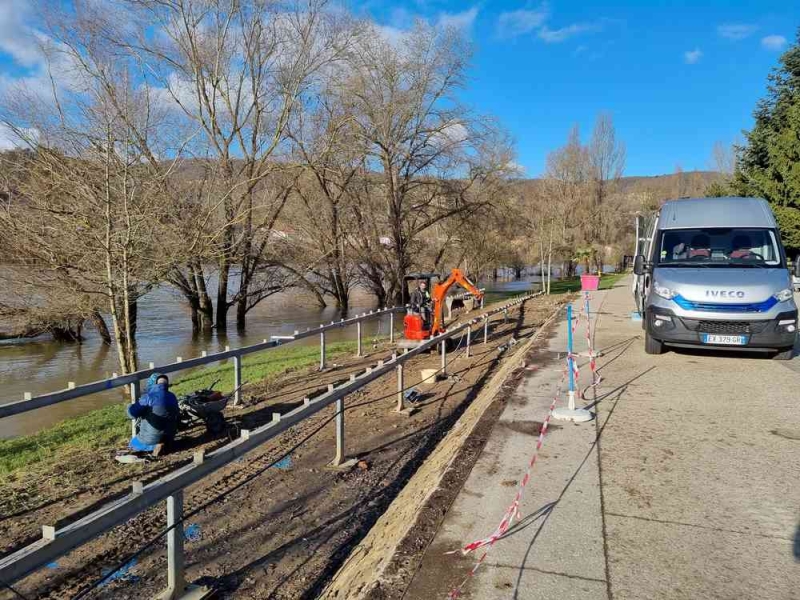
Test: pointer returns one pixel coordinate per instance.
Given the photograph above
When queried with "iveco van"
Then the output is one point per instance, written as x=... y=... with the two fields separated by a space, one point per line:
x=714 y=274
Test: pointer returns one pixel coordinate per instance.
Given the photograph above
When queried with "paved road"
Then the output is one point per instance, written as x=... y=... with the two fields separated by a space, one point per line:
x=685 y=486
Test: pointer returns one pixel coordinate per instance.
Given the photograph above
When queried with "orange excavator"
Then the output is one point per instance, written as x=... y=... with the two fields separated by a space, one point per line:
x=416 y=326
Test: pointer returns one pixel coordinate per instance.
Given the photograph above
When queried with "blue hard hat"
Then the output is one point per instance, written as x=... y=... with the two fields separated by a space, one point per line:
x=151 y=381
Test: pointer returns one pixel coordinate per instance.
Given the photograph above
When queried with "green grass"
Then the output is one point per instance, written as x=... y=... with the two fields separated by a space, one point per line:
x=109 y=426
x=565 y=286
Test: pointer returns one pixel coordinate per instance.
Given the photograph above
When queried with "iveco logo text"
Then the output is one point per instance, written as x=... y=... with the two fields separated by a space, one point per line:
x=724 y=294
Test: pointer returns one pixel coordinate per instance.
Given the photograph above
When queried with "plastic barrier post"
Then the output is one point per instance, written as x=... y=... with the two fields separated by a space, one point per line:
x=571 y=413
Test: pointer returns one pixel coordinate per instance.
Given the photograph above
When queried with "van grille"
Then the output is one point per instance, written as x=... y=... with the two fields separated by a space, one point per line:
x=731 y=327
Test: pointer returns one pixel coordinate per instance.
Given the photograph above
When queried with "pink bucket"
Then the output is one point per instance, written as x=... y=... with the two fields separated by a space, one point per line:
x=590 y=283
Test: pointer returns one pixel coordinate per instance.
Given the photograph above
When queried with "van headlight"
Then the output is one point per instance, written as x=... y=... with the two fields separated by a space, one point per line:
x=664 y=292
x=784 y=295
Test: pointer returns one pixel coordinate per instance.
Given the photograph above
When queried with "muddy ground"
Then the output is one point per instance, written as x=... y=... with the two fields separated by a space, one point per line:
x=277 y=532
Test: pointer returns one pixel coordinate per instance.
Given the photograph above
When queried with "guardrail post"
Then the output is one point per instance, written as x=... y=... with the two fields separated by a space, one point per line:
x=400 y=387
x=469 y=339
x=358 y=331
x=505 y=315
x=237 y=379
x=134 y=396
x=322 y=351
x=391 y=327
x=443 y=345
x=486 y=331
x=339 y=433
x=175 y=565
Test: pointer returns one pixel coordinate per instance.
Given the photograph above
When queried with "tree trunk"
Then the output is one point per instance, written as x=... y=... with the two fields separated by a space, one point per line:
x=222 y=295
x=100 y=326
x=205 y=306
x=241 y=312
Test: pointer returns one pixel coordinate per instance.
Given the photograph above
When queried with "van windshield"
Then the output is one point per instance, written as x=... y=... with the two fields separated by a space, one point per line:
x=719 y=247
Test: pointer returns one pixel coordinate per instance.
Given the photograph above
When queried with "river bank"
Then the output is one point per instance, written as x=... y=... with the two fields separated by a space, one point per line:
x=286 y=526
x=108 y=427
x=42 y=365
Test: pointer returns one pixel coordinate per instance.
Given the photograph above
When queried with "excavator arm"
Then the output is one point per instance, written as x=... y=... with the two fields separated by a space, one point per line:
x=440 y=291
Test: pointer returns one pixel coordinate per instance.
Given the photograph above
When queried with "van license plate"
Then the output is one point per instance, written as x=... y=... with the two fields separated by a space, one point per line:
x=726 y=340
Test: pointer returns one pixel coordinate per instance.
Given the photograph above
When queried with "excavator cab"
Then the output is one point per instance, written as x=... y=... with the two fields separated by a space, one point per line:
x=422 y=323
x=417 y=322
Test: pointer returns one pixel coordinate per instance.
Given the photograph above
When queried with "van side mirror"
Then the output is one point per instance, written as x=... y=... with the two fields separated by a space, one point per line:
x=797 y=267
x=638 y=265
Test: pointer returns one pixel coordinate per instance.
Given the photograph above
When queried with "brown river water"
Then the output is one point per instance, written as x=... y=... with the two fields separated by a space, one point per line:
x=164 y=332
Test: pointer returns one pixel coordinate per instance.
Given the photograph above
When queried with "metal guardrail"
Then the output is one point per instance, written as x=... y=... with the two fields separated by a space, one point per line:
x=29 y=402
x=56 y=542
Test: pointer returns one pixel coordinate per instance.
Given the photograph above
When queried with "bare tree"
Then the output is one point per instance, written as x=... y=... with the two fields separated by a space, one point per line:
x=427 y=155
x=94 y=218
x=236 y=70
x=332 y=160
x=607 y=162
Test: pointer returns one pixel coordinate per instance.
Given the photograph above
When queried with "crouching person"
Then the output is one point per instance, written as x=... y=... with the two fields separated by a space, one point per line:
x=156 y=414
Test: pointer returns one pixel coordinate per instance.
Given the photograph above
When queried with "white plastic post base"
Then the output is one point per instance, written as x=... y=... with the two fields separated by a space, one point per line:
x=577 y=415
x=570 y=413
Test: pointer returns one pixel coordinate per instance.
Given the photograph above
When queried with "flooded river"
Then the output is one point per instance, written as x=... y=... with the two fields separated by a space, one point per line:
x=164 y=332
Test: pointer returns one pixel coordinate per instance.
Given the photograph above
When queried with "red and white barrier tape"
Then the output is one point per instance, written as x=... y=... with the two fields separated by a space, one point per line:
x=590 y=346
x=513 y=512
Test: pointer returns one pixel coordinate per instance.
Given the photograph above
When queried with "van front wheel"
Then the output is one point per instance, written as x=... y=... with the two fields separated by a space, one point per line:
x=652 y=345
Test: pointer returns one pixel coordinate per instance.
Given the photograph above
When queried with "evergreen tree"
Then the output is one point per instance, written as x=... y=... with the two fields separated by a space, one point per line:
x=768 y=165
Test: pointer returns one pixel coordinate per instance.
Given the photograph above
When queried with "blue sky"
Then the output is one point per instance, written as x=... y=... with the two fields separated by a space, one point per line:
x=675 y=75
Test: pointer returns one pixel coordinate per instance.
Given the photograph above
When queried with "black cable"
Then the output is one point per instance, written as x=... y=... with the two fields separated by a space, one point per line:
x=410 y=387
x=13 y=590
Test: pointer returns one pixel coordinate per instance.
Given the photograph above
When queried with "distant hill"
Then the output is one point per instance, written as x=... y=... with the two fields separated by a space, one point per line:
x=657 y=188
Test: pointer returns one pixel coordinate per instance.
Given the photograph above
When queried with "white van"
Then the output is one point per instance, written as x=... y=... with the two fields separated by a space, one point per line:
x=715 y=274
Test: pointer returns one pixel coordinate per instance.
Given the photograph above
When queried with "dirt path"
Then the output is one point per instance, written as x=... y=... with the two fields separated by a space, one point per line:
x=282 y=532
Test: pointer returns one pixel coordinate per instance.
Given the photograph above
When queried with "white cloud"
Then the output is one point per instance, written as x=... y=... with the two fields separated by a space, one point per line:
x=462 y=20
x=16 y=38
x=392 y=35
x=555 y=36
x=519 y=22
x=8 y=138
x=736 y=31
x=691 y=57
x=451 y=135
x=515 y=169
x=774 y=42
x=515 y=23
